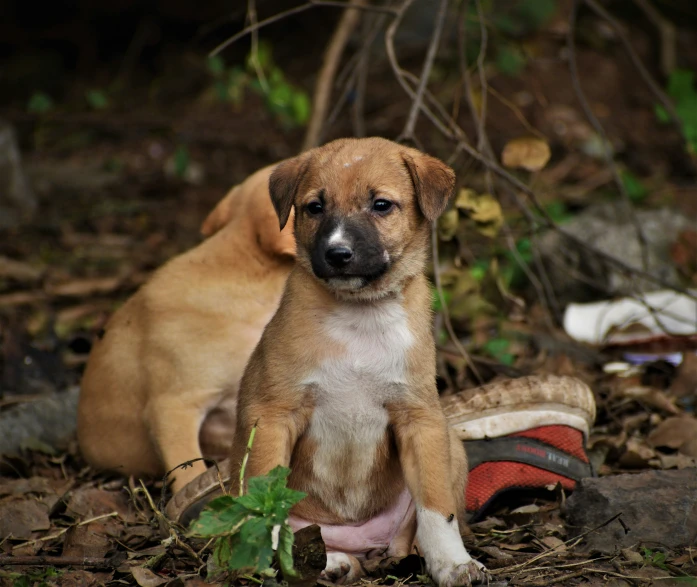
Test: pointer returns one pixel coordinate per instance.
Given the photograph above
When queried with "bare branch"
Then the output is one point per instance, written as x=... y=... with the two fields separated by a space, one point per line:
x=607 y=154
x=325 y=79
x=410 y=126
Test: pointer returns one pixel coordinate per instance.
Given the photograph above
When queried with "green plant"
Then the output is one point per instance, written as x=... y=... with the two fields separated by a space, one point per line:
x=681 y=88
x=181 y=161
x=97 y=99
x=636 y=191
x=252 y=529
x=32 y=578
x=289 y=104
x=498 y=348
x=40 y=103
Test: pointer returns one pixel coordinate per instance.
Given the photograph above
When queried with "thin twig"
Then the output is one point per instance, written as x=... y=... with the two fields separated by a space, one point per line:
x=61 y=561
x=410 y=126
x=607 y=153
x=634 y=58
x=254 y=56
x=325 y=78
x=290 y=12
x=444 y=307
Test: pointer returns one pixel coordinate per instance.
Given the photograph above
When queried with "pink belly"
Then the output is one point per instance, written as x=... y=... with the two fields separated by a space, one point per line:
x=368 y=539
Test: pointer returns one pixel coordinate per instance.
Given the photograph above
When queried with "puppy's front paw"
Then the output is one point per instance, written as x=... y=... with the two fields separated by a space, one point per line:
x=342 y=568
x=462 y=575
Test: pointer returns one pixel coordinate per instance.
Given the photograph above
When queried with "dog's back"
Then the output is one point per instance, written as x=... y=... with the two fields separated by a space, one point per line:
x=175 y=351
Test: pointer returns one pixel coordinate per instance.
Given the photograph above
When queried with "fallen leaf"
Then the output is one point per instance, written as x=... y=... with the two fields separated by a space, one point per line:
x=685 y=382
x=651 y=396
x=484 y=209
x=20 y=518
x=674 y=432
x=18 y=271
x=527 y=153
x=447 y=225
x=636 y=455
x=676 y=461
x=87 y=541
x=554 y=543
x=689 y=447
x=146 y=578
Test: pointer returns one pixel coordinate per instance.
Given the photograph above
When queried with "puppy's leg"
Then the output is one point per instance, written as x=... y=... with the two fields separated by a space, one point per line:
x=425 y=453
x=174 y=428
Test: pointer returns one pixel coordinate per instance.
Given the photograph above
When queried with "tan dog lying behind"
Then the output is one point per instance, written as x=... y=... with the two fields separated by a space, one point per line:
x=342 y=386
x=160 y=387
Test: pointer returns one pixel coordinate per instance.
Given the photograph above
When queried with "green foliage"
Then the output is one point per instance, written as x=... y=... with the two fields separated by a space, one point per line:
x=288 y=104
x=181 y=161
x=654 y=558
x=510 y=60
x=508 y=22
x=32 y=578
x=40 y=103
x=252 y=527
x=498 y=348
x=636 y=191
x=681 y=88
x=97 y=99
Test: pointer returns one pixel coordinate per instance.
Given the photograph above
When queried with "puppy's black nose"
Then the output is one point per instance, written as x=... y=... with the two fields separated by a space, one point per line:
x=338 y=256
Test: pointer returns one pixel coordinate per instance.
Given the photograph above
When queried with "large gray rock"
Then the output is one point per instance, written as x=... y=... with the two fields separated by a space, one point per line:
x=579 y=275
x=655 y=507
x=17 y=201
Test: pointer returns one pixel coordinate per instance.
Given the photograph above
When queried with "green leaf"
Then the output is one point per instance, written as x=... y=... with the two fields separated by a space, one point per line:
x=215 y=66
x=40 y=103
x=435 y=304
x=681 y=88
x=181 y=161
x=301 y=107
x=498 y=349
x=285 y=552
x=632 y=184
x=97 y=99
x=510 y=60
x=219 y=517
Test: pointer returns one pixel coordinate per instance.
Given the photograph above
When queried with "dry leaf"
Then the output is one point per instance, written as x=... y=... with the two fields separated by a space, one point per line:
x=553 y=543
x=18 y=271
x=484 y=209
x=674 y=432
x=527 y=153
x=651 y=396
x=146 y=578
x=637 y=455
x=676 y=461
x=447 y=225
x=685 y=382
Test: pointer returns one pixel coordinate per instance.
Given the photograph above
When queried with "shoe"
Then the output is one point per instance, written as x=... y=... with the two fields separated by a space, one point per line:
x=522 y=436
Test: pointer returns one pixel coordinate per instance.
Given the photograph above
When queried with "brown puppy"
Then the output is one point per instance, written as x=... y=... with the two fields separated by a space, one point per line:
x=342 y=386
x=160 y=387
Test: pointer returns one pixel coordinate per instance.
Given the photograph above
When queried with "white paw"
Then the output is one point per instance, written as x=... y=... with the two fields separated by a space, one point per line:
x=342 y=568
x=459 y=575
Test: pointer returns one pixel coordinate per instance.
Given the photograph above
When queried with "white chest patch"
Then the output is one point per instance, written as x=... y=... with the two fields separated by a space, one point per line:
x=349 y=419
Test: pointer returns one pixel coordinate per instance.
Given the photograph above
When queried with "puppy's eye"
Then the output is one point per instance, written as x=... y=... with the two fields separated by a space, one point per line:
x=315 y=208
x=382 y=206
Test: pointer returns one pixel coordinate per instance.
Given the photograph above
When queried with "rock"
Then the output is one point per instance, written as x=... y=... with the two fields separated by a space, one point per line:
x=48 y=421
x=656 y=507
x=17 y=200
x=579 y=275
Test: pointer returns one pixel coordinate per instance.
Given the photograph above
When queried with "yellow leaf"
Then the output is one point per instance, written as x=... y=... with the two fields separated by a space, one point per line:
x=526 y=153
x=447 y=225
x=484 y=209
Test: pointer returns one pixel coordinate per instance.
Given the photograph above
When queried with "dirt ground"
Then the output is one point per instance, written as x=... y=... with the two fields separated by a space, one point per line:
x=124 y=189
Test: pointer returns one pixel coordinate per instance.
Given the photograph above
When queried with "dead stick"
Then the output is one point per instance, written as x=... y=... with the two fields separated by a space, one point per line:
x=325 y=79
x=59 y=561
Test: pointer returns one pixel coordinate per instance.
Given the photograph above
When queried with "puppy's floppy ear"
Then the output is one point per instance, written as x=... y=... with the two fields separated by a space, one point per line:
x=433 y=181
x=284 y=183
x=220 y=215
